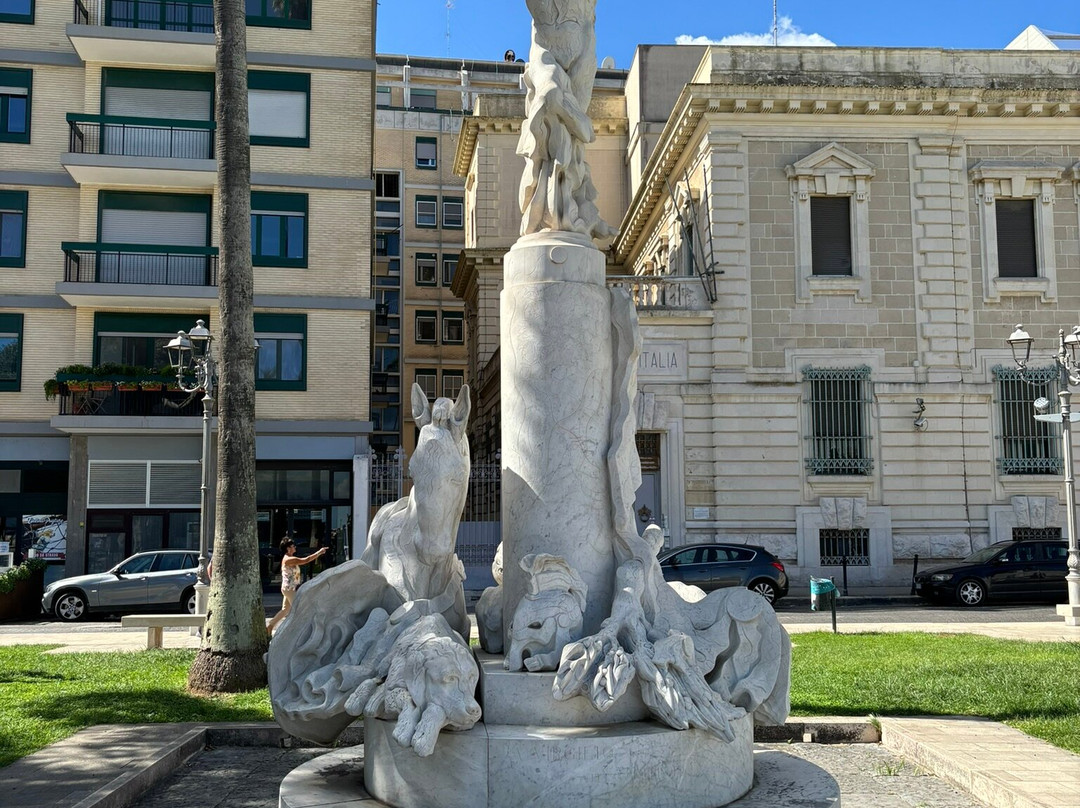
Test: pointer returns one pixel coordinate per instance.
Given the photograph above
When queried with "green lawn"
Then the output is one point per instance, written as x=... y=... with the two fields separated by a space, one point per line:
x=1031 y=686
x=1034 y=686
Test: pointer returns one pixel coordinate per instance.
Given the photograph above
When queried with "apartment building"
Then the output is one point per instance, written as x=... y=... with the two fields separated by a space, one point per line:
x=828 y=249
x=108 y=197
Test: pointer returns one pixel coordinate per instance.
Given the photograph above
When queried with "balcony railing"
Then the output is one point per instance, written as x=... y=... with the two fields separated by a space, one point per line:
x=150 y=264
x=195 y=16
x=140 y=137
x=129 y=403
x=662 y=292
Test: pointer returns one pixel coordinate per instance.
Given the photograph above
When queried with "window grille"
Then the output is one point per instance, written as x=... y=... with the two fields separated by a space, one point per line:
x=838 y=400
x=1026 y=446
x=1036 y=533
x=648 y=449
x=836 y=545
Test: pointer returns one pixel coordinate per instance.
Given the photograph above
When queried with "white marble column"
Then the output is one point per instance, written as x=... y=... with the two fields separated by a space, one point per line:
x=556 y=360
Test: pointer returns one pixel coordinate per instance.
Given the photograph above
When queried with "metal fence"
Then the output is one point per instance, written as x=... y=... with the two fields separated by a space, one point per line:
x=838 y=402
x=1026 y=446
x=140 y=137
x=480 y=528
x=140 y=264
x=193 y=16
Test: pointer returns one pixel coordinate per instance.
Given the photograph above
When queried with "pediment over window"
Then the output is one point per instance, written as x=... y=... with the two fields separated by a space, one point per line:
x=1015 y=179
x=830 y=171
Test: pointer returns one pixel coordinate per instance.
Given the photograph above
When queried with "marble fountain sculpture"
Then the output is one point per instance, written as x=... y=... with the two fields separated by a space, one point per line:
x=616 y=688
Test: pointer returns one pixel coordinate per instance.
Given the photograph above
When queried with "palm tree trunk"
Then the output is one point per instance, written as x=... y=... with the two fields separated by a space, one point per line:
x=234 y=641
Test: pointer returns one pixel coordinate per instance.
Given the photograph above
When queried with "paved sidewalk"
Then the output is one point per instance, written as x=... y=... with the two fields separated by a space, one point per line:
x=975 y=762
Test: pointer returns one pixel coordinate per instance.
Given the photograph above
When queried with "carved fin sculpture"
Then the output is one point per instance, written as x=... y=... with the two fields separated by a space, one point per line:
x=549 y=616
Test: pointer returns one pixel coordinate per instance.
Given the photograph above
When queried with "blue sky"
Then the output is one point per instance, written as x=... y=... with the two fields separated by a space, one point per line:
x=484 y=29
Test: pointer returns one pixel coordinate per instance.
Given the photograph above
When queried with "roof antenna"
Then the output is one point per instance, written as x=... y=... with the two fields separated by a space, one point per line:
x=775 y=27
x=449 y=8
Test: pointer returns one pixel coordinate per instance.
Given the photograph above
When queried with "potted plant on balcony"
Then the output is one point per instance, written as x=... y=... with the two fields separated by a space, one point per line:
x=127 y=386
x=76 y=378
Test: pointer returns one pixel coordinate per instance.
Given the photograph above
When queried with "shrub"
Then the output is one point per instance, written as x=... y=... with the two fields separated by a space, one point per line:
x=22 y=572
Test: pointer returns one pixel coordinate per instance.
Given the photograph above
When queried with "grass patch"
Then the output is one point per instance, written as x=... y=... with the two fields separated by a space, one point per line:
x=47 y=697
x=1028 y=685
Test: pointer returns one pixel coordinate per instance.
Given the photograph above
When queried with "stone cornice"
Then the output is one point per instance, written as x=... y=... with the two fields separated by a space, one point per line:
x=699 y=100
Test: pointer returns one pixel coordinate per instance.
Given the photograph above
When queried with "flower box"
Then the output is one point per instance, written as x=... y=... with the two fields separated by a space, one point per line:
x=127 y=387
x=151 y=387
x=78 y=387
x=102 y=386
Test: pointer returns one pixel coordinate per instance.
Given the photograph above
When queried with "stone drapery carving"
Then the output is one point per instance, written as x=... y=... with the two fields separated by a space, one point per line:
x=700 y=663
x=1036 y=512
x=548 y=617
x=557 y=192
x=385 y=636
x=843 y=513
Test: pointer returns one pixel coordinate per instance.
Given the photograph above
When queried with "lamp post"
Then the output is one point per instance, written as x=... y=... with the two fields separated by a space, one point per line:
x=190 y=355
x=1069 y=374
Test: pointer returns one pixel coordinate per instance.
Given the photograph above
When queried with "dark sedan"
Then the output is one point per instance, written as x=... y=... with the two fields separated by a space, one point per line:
x=712 y=566
x=1008 y=570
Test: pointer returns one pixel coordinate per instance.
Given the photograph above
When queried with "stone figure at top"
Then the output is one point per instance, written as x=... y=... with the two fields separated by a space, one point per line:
x=557 y=192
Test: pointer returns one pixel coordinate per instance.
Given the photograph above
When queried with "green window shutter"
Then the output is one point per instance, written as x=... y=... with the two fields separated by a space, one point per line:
x=279 y=229
x=281 y=361
x=279 y=108
x=15 y=101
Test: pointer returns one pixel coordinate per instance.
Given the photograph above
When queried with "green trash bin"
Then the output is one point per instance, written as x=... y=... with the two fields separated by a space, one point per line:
x=822 y=593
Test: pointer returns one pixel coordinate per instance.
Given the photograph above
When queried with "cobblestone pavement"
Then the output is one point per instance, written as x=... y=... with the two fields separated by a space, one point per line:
x=248 y=777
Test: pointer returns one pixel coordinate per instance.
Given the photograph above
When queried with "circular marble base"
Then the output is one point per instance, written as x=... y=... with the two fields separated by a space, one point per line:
x=335 y=780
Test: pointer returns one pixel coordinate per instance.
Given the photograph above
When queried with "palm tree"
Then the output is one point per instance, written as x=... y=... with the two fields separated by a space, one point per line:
x=234 y=640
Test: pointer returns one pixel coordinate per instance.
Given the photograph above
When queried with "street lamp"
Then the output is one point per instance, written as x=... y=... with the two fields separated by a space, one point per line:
x=1068 y=374
x=190 y=355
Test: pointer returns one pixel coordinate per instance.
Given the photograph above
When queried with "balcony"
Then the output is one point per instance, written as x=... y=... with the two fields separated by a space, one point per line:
x=108 y=407
x=145 y=32
x=151 y=152
x=97 y=274
x=660 y=293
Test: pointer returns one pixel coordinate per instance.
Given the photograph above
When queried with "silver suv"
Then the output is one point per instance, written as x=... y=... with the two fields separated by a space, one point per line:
x=163 y=579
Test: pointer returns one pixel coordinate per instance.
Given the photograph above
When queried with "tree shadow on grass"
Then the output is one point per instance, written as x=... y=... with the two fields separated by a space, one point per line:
x=108 y=705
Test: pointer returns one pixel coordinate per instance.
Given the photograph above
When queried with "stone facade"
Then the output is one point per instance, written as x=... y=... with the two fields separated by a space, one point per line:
x=728 y=148
x=75 y=162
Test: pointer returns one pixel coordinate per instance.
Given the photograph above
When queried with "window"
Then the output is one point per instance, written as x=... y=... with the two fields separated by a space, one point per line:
x=452 y=382
x=1015 y=202
x=422 y=99
x=382 y=97
x=1044 y=534
x=13 y=205
x=831 y=193
x=279 y=13
x=1016 y=238
x=21 y=11
x=138 y=340
x=426 y=329
x=453 y=213
x=281 y=361
x=1026 y=446
x=14 y=101
x=425 y=270
x=453 y=328
x=278 y=229
x=279 y=108
x=11 y=328
x=427 y=211
x=387 y=244
x=387 y=200
x=838 y=400
x=838 y=546
x=830 y=228
x=427 y=152
x=449 y=269
x=428 y=381
x=387 y=360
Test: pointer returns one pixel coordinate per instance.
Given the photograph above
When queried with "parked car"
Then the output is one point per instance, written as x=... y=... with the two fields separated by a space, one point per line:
x=712 y=566
x=1008 y=570
x=163 y=579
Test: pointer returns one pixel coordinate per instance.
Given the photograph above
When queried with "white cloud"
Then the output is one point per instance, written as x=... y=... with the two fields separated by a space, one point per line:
x=787 y=33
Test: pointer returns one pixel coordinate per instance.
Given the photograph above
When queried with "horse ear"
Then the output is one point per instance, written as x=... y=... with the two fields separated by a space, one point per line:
x=462 y=407
x=421 y=407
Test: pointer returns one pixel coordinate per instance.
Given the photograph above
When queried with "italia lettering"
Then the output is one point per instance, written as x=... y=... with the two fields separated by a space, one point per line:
x=655 y=360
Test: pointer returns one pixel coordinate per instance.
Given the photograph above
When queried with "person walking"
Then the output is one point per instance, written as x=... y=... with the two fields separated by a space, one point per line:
x=290 y=579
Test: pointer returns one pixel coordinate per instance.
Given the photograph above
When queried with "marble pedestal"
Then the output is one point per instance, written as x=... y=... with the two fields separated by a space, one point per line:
x=336 y=780
x=532 y=750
